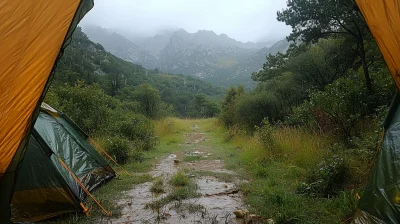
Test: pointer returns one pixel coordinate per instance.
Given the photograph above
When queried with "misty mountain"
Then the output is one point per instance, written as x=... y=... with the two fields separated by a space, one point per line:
x=121 y=46
x=154 y=45
x=253 y=64
x=200 y=54
x=216 y=58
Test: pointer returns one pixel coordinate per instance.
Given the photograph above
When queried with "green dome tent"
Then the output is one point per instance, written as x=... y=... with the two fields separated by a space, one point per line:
x=44 y=187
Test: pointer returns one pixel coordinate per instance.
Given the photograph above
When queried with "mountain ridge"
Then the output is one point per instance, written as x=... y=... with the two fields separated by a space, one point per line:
x=218 y=59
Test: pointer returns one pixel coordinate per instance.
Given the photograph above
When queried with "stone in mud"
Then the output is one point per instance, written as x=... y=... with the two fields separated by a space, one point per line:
x=241 y=213
x=176 y=161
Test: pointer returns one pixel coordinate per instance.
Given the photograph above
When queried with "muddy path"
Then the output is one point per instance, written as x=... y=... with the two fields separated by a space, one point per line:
x=211 y=193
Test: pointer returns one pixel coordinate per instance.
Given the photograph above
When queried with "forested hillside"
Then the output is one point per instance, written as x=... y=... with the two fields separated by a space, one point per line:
x=85 y=63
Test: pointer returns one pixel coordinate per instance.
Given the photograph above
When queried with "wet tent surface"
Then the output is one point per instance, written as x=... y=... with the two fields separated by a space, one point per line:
x=66 y=143
x=40 y=191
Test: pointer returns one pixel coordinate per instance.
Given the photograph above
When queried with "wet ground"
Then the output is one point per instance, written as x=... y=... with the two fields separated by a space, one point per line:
x=215 y=200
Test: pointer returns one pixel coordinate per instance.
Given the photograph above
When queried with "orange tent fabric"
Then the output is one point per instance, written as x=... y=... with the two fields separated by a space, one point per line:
x=32 y=33
x=31 y=36
x=383 y=19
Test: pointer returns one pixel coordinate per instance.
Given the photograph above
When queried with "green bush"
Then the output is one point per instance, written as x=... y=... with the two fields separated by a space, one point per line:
x=136 y=128
x=343 y=105
x=265 y=136
x=302 y=115
x=86 y=105
x=139 y=130
x=118 y=148
x=227 y=115
x=251 y=109
x=149 y=100
x=326 y=179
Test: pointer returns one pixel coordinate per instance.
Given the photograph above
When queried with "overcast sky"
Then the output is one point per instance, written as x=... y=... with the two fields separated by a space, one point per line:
x=244 y=20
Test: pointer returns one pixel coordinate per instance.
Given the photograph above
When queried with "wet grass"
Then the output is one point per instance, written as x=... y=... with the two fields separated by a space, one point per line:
x=273 y=175
x=191 y=158
x=184 y=188
x=158 y=186
x=180 y=179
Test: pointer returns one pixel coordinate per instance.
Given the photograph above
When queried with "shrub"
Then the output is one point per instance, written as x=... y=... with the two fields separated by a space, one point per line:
x=264 y=134
x=302 y=115
x=343 y=105
x=149 y=100
x=86 y=105
x=140 y=130
x=251 y=110
x=326 y=179
x=230 y=133
x=228 y=105
x=135 y=127
x=118 y=148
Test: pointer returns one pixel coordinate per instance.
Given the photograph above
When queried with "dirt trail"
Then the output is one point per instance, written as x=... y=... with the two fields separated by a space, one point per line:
x=216 y=197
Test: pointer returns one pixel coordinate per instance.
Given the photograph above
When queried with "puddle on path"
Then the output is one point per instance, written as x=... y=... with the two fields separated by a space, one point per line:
x=216 y=204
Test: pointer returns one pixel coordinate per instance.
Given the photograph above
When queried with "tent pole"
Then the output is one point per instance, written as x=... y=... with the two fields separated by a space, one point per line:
x=105 y=153
x=83 y=187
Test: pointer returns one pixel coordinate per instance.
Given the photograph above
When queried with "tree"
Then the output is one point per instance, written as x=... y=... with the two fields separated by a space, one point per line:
x=273 y=67
x=313 y=67
x=202 y=107
x=321 y=64
x=314 y=19
x=149 y=100
x=228 y=105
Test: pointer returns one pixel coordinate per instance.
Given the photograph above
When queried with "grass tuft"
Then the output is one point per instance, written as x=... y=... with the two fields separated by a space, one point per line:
x=184 y=188
x=180 y=179
x=158 y=186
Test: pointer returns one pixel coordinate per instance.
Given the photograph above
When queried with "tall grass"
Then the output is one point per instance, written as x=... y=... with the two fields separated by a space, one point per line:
x=300 y=147
x=275 y=171
x=170 y=126
x=170 y=130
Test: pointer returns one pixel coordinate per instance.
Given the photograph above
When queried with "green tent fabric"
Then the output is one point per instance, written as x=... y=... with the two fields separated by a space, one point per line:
x=80 y=157
x=40 y=191
x=44 y=187
x=380 y=202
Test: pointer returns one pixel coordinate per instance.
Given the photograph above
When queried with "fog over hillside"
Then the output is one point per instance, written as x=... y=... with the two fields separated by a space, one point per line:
x=253 y=20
